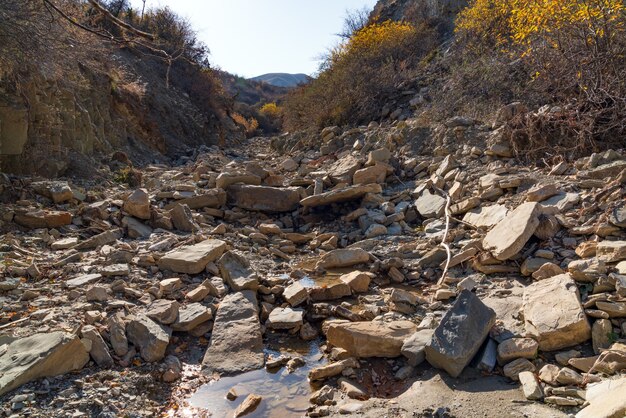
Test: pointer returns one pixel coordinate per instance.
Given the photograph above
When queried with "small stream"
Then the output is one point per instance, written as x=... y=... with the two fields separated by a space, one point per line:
x=284 y=394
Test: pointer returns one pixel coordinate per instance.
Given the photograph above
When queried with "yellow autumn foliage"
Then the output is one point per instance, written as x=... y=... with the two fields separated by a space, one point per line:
x=271 y=110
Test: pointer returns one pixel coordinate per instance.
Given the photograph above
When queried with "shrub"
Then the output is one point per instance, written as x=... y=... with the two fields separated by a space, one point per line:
x=357 y=76
x=573 y=54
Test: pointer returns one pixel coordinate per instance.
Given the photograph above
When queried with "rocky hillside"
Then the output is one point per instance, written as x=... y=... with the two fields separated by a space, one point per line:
x=282 y=79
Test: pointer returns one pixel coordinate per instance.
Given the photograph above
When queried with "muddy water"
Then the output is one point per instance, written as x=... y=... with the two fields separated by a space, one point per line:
x=284 y=394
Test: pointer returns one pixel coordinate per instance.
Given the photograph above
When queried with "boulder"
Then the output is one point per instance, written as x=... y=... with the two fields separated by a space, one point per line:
x=192 y=259
x=191 y=316
x=341 y=195
x=213 y=198
x=460 y=334
x=357 y=280
x=43 y=219
x=182 y=218
x=99 y=351
x=374 y=174
x=553 y=314
x=40 y=355
x=150 y=338
x=236 y=343
x=57 y=191
x=515 y=348
x=265 y=198
x=510 y=235
x=611 y=251
x=295 y=294
x=430 y=205
x=414 y=347
x=224 y=180
x=486 y=216
x=343 y=170
x=285 y=318
x=370 y=339
x=137 y=204
x=606 y=400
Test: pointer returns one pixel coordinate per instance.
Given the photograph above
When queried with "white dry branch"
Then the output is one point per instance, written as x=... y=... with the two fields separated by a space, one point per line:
x=445 y=235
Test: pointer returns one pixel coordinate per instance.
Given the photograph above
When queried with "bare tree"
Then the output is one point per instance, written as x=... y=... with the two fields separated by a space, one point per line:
x=354 y=21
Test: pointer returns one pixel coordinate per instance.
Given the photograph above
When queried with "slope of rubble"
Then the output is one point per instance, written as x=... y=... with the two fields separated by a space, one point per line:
x=432 y=273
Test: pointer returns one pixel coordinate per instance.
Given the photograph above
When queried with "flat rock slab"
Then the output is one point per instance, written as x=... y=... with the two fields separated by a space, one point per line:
x=342 y=195
x=236 y=344
x=83 y=280
x=265 y=198
x=285 y=318
x=486 y=216
x=510 y=235
x=40 y=355
x=460 y=334
x=43 y=219
x=430 y=205
x=553 y=314
x=508 y=309
x=371 y=339
x=214 y=198
x=192 y=259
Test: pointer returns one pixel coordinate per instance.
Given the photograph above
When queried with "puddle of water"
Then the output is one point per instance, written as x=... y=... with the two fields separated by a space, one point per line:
x=284 y=394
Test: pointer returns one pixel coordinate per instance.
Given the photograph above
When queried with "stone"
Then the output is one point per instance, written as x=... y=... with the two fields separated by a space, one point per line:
x=587 y=271
x=618 y=216
x=57 y=191
x=97 y=294
x=115 y=270
x=200 y=292
x=517 y=348
x=611 y=169
x=606 y=400
x=375 y=230
x=342 y=170
x=611 y=251
x=248 y=406
x=99 y=351
x=163 y=311
x=531 y=265
x=43 y=219
x=150 y=338
x=345 y=194
x=430 y=205
x=174 y=369
x=117 y=334
x=236 y=343
x=182 y=218
x=541 y=192
x=295 y=294
x=460 y=334
x=486 y=216
x=135 y=228
x=548 y=374
x=344 y=257
x=265 y=198
x=510 y=235
x=352 y=389
x=64 y=243
x=104 y=238
x=235 y=270
x=464 y=206
x=564 y=357
x=370 y=339
x=553 y=314
x=514 y=368
x=285 y=318
x=568 y=376
x=560 y=203
x=83 y=280
x=41 y=355
x=614 y=309
x=289 y=164
x=192 y=259
x=378 y=155
x=357 y=280
x=546 y=271
x=414 y=347
x=332 y=290
x=137 y=204
x=332 y=369
x=601 y=335
x=191 y=316
x=171 y=285
x=530 y=386
x=374 y=174
x=214 y=198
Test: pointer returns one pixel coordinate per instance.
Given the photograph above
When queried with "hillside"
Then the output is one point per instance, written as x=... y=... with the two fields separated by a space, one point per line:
x=282 y=79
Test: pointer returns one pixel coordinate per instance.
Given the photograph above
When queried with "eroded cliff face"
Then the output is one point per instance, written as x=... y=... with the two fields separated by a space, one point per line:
x=55 y=125
x=443 y=10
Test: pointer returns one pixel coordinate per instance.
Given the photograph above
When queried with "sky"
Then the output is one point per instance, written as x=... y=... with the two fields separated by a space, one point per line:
x=254 y=37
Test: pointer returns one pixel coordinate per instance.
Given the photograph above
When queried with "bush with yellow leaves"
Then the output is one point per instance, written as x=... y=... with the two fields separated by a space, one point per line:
x=358 y=75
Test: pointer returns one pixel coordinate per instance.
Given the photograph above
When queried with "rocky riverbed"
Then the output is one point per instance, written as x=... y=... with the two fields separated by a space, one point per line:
x=377 y=271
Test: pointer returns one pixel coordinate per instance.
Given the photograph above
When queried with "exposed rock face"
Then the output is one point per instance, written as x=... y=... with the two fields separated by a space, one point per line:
x=236 y=343
x=265 y=198
x=370 y=339
x=554 y=315
x=40 y=355
x=194 y=258
x=460 y=334
x=510 y=235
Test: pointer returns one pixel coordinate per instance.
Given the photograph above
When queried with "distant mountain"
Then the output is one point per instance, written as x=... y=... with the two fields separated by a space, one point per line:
x=282 y=79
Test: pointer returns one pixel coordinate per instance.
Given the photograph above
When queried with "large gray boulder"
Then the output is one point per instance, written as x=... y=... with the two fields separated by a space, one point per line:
x=460 y=334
